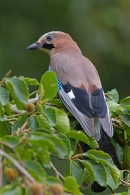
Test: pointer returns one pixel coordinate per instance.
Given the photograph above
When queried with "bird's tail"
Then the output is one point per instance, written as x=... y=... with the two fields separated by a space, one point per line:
x=106 y=146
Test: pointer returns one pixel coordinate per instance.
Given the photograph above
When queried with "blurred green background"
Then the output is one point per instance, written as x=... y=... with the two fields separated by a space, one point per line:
x=101 y=29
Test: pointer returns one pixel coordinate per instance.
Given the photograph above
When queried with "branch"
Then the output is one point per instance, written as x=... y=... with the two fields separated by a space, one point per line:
x=10 y=147
x=56 y=171
x=125 y=183
x=18 y=166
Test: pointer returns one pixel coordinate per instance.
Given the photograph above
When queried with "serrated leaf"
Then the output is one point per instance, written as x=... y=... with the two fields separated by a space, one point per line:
x=95 y=172
x=35 y=170
x=4 y=96
x=100 y=157
x=112 y=177
x=62 y=121
x=114 y=95
x=127 y=155
x=76 y=171
x=33 y=122
x=126 y=119
x=51 y=115
x=119 y=150
x=80 y=136
x=60 y=147
x=125 y=101
x=112 y=106
x=30 y=81
x=44 y=157
x=49 y=83
x=43 y=122
x=66 y=142
x=18 y=90
x=71 y=185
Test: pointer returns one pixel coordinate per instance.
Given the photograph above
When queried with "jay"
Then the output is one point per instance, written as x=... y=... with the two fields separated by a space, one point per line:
x=79 y=88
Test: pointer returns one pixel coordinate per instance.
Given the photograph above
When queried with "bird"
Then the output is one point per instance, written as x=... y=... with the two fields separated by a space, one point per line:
x=80 y=89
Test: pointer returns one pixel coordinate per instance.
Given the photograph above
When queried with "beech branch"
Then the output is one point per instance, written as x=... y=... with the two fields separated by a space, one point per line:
x=21 y=169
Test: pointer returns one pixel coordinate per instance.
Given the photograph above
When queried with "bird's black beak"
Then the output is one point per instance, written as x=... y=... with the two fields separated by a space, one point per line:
x=34 y=46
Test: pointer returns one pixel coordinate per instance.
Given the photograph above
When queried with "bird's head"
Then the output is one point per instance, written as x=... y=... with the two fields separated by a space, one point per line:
x=52 y=42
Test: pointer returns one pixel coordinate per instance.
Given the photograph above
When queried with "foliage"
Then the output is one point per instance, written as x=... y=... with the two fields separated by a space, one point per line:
x=35 y=129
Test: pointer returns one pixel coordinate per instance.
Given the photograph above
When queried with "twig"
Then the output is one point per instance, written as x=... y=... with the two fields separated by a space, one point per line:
x=34 y=92
x=8 y=74
x=106 y=95
x=56 y=171
x=125 y=183
x=12 y=149
x=18 y=166
x=24 y=126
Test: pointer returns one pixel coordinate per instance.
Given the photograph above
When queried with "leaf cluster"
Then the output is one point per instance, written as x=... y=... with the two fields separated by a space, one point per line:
x=35 y=128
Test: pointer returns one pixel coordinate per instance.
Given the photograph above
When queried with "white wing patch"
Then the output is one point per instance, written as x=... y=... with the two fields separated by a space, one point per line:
x=71 y=95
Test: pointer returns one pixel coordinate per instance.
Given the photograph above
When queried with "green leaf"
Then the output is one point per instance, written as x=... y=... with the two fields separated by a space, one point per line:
x=1 y=113
x=30 y=81
x=113 y=95
x=20 y=121
x=43 y=122
x=11 y=190
x=41 y=92
x=4 y=128
x=18 y=90
x=13 y=141
x=49 y=83
x=35 y=170
x=100 y=157
x=60 y=147
x=52 y=142
x=119 y=150
x=66 y=142
x=33 y=124
x=94 y=171
x=50 y=180
x=4 y=96
x=125 y=101
x=76 y=172
x=112 y=177
x=7 y=108
x=57 y=103
x=80 y=136
x=51 y=115
x=126 y=119
x=44 y=157
x=112 y=106
x=62 y=121
x=127 y=155
x=88 y=175
x=71 y=185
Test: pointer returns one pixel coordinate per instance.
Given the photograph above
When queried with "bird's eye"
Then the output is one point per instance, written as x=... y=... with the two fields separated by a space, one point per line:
x=49 y=38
